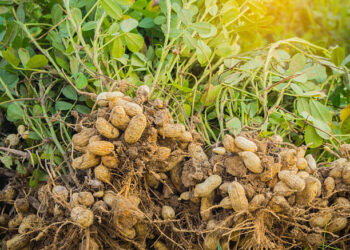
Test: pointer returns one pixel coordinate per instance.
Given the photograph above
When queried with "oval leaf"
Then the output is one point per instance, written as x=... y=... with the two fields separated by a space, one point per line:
x=10 y=56
x=312 y=138
x=14 y=112
x=37 y=61
x=118 y=48
x=70 y=93
x=203 y=52
x=112 y=8
x=134 y=42
x=296 y=64
x=128 y=24
x=81 y=81
x=204 y=29
x=62 y=105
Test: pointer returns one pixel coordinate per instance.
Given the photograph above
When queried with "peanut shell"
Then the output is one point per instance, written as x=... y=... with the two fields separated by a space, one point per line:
x=245 y=144
x=119 y=118
x=252 y=162
x=205 y=188
x=238 y=197
x=106 y=129
x=135 y=128
x=101 y=148
x=87 y=160
x=110 y=161
x=292 y=180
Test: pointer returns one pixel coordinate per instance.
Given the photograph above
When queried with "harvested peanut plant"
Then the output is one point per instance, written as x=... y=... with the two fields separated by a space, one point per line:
x=143 y=181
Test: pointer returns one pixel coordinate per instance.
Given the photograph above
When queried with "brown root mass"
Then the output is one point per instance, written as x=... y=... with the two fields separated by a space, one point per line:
x=153 y=187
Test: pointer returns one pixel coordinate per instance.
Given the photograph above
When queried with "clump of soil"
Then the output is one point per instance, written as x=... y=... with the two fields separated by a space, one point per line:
x=144 y=182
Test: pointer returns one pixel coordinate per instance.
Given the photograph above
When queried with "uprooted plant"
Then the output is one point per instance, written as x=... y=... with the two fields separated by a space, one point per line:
x=143 y=181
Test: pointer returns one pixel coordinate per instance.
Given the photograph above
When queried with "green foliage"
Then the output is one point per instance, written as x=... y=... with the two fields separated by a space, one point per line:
x=202 y=56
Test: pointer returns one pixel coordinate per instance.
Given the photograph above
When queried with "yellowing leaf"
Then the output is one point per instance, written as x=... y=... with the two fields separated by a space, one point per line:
x=345 y=113
x=133 y=41
x=209 y=98
x=112 y=8
x=296 y=64
x=10 y=56
x=203 y=52
x=118 y=48
x=345 y=126
x=37 y=61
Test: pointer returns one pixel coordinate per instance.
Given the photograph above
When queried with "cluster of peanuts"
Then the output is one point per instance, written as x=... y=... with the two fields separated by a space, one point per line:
x=243 y=178
x=283 y=180
x=122 y=119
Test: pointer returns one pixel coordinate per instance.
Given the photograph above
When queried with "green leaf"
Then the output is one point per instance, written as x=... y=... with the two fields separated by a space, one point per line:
x=82 y=109
x=89 y=26
x=303 y=106
x=36 y=177
x=20 y=167
x=23 y=56
x=324 y=129
x=204 y=30
x=281 y=55
x=10 y=56
x=3 y=10
x=118 y=48
x=7 y=161
x=56 y=14
x=112 y=9
x=188 y=109
x=62 y=105
x=230 y=63
x=138 y=60
x=213 y=10
x=37 y=110
x=311 y=137
x=126 y=2
x=338 y=55
x=159 y=20
x=33 y=136
x=203 y=52
x=296 y=64
x=73 y=65
x=209 y=98
x=147 y=23
x=320 y=111
x=37 y=61
x=235 y=78
x=70 y=93
x=189 y=40
x=14 y=112
x=253 y=64
x=62 y=63
x=225 y=50
x=10 y=35
x=128 y=24
x=184 y=15
x=76 y=15
x=234 y=125
x=81 y=81
x=296 y=89
x=317 y=73
x=113 y=29
x=133 y=41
